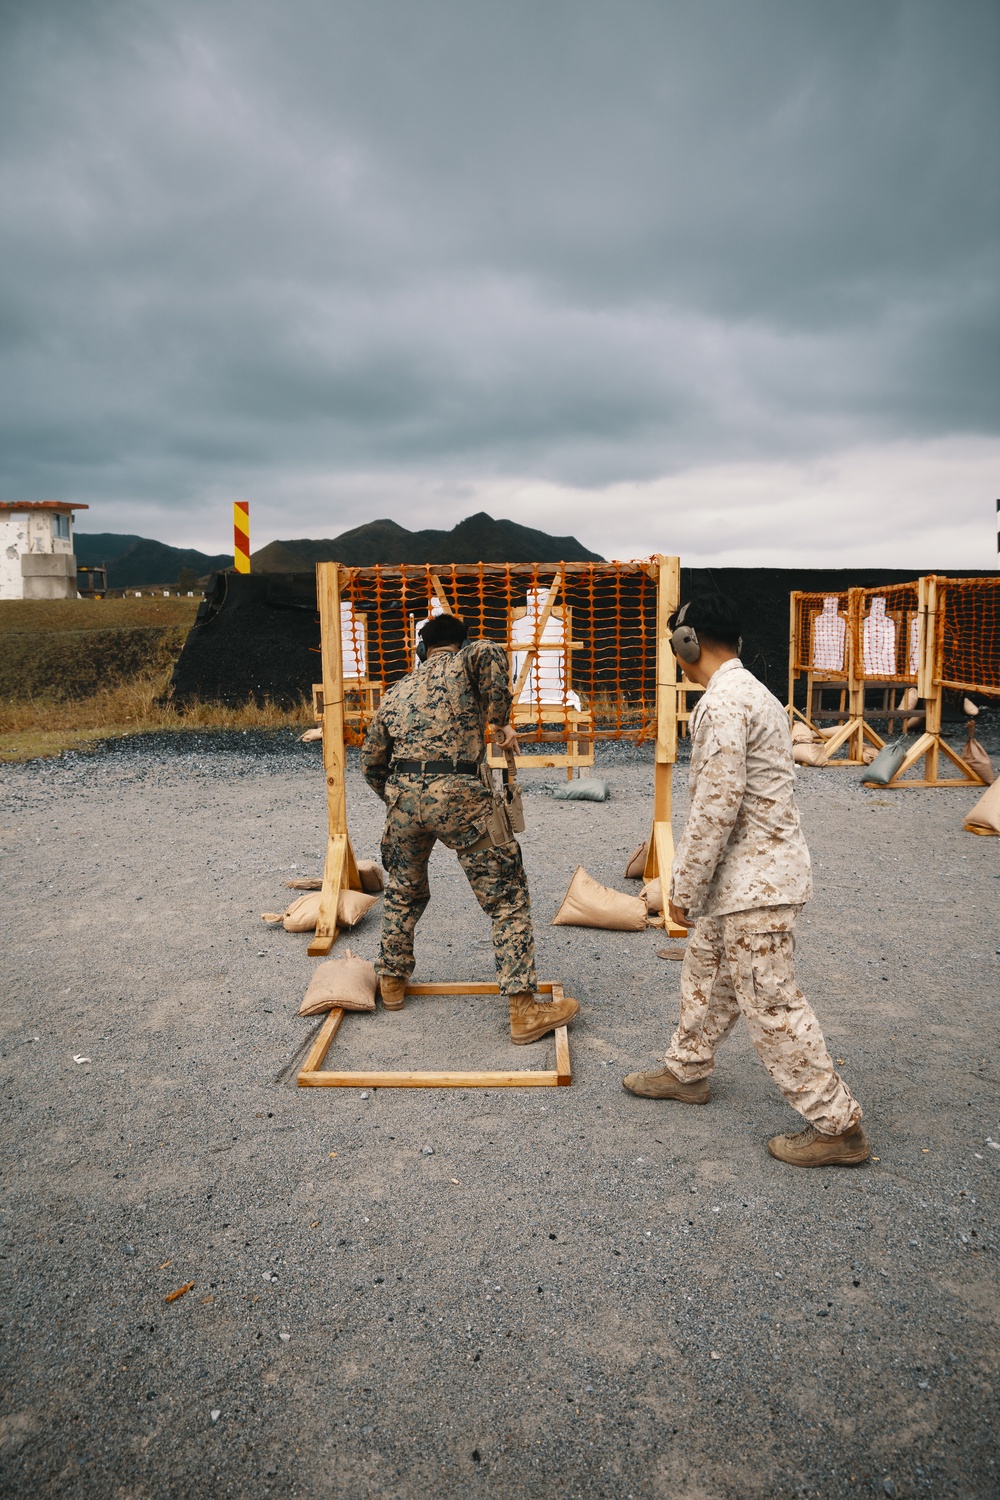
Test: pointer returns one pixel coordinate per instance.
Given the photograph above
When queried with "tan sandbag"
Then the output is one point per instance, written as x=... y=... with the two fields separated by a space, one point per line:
x=977 y=760
x=636 y=863
x=590 y=904
x=345 y=983
x=829 y=731
x=868 y=754
x=303 y=914
x=808 y=755
x=310 y=736
x=652 y=894
x=803 y=734
x=985 y=816
x=372 y=875
x=352 y=906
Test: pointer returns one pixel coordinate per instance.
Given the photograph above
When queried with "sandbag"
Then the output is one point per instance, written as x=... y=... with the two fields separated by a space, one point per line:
x=976 y=759
x=886 y=763
x=587 y=903
x=652 y=894
x=803 y=734
x=636 y=864
x=303 y=914
x=311 y=735
x=346 y=983
x=372 y=875
x=808 y=755
x=352 y=906
x=588 y=789
x=985 y=816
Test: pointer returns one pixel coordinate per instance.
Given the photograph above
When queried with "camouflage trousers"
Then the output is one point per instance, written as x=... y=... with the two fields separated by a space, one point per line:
x=745 y=962
x=452 y=809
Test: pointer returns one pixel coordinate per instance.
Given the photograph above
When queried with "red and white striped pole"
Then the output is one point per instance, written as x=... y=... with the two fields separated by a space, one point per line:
x=241 y=535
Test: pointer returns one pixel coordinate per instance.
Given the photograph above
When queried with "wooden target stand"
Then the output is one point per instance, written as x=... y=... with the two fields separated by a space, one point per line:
x=341 y=873
x=930 y=745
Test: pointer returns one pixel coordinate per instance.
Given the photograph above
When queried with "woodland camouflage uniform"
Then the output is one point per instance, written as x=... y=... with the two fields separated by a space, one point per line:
x=440 y=712
x=742 y=869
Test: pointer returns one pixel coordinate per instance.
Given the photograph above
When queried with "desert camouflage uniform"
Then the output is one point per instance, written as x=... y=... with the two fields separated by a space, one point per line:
x=742 y=869
x=440 y=712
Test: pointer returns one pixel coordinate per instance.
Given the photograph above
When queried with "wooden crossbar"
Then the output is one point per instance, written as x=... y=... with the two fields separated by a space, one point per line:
x=314 y=1075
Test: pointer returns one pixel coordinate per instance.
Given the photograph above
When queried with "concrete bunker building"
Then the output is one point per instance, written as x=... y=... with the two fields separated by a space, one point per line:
x=36 y=549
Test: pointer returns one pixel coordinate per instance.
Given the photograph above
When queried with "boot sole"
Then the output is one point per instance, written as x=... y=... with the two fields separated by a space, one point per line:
x=674 y=1098
x=830 y=1161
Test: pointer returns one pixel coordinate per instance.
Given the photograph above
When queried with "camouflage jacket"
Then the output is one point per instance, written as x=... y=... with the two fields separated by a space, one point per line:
x=440 y=711
x=743 y=846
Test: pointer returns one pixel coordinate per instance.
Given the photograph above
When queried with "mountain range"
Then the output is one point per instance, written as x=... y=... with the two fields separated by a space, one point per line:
x=137 y=561
x=476 y=539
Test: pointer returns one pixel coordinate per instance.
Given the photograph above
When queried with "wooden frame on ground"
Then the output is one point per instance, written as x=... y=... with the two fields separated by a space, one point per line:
x=314 y=1075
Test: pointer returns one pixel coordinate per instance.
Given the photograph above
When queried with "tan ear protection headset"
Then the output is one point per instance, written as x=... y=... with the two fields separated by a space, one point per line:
x=684 y=642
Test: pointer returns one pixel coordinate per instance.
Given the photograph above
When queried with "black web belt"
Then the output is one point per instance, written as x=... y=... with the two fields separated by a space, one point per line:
x=437 y=767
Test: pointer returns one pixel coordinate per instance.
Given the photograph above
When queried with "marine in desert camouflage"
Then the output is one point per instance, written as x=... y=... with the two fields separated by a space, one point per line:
x=740 y=877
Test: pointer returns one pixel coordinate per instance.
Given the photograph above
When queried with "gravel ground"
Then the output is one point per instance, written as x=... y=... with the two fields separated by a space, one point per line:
x=516 y=1293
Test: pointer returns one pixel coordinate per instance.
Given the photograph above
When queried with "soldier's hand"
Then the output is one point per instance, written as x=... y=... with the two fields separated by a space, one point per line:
x=680 y=917
x=505 y=738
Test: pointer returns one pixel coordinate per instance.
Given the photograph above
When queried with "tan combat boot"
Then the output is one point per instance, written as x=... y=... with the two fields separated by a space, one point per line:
x=662 y=1084
x=529 y=1021
x=810 y=1148
x=392 y=988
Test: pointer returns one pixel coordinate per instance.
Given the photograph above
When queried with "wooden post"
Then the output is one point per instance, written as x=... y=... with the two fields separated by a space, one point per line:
x=340 y=871
x=929 y=688
x=793 y=653
x=661 y=843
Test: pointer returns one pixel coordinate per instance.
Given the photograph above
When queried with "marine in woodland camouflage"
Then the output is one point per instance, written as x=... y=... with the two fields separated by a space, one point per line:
x=744 y=961
x=743 y=846
x=441 y=712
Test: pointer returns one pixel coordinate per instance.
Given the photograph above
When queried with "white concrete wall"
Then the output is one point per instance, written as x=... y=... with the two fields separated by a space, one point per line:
x=13 y=541
x=31 y=532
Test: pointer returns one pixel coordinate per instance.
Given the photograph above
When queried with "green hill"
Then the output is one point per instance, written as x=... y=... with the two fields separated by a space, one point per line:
x=137 y=561
x=478 y=538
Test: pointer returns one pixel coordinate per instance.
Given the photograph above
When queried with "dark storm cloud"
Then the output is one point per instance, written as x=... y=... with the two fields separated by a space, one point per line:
x=583 y=243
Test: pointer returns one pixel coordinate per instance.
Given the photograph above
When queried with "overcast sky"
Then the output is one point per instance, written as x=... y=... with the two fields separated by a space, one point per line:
x=708 y=276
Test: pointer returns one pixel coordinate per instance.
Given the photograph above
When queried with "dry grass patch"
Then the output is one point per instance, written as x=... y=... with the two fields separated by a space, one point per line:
x=41 y=726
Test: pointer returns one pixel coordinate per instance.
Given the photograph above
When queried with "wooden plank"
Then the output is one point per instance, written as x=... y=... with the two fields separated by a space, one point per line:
x=442 y=597
x=318 y=1050
x=333 y=879
x=564 y=1073
x=473 y=1080
x=415 y=571
x=468 y=987
x=334 y=761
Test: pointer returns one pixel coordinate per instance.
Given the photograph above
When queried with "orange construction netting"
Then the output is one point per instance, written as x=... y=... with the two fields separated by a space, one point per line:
x=581 y=637
x=968 y=634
